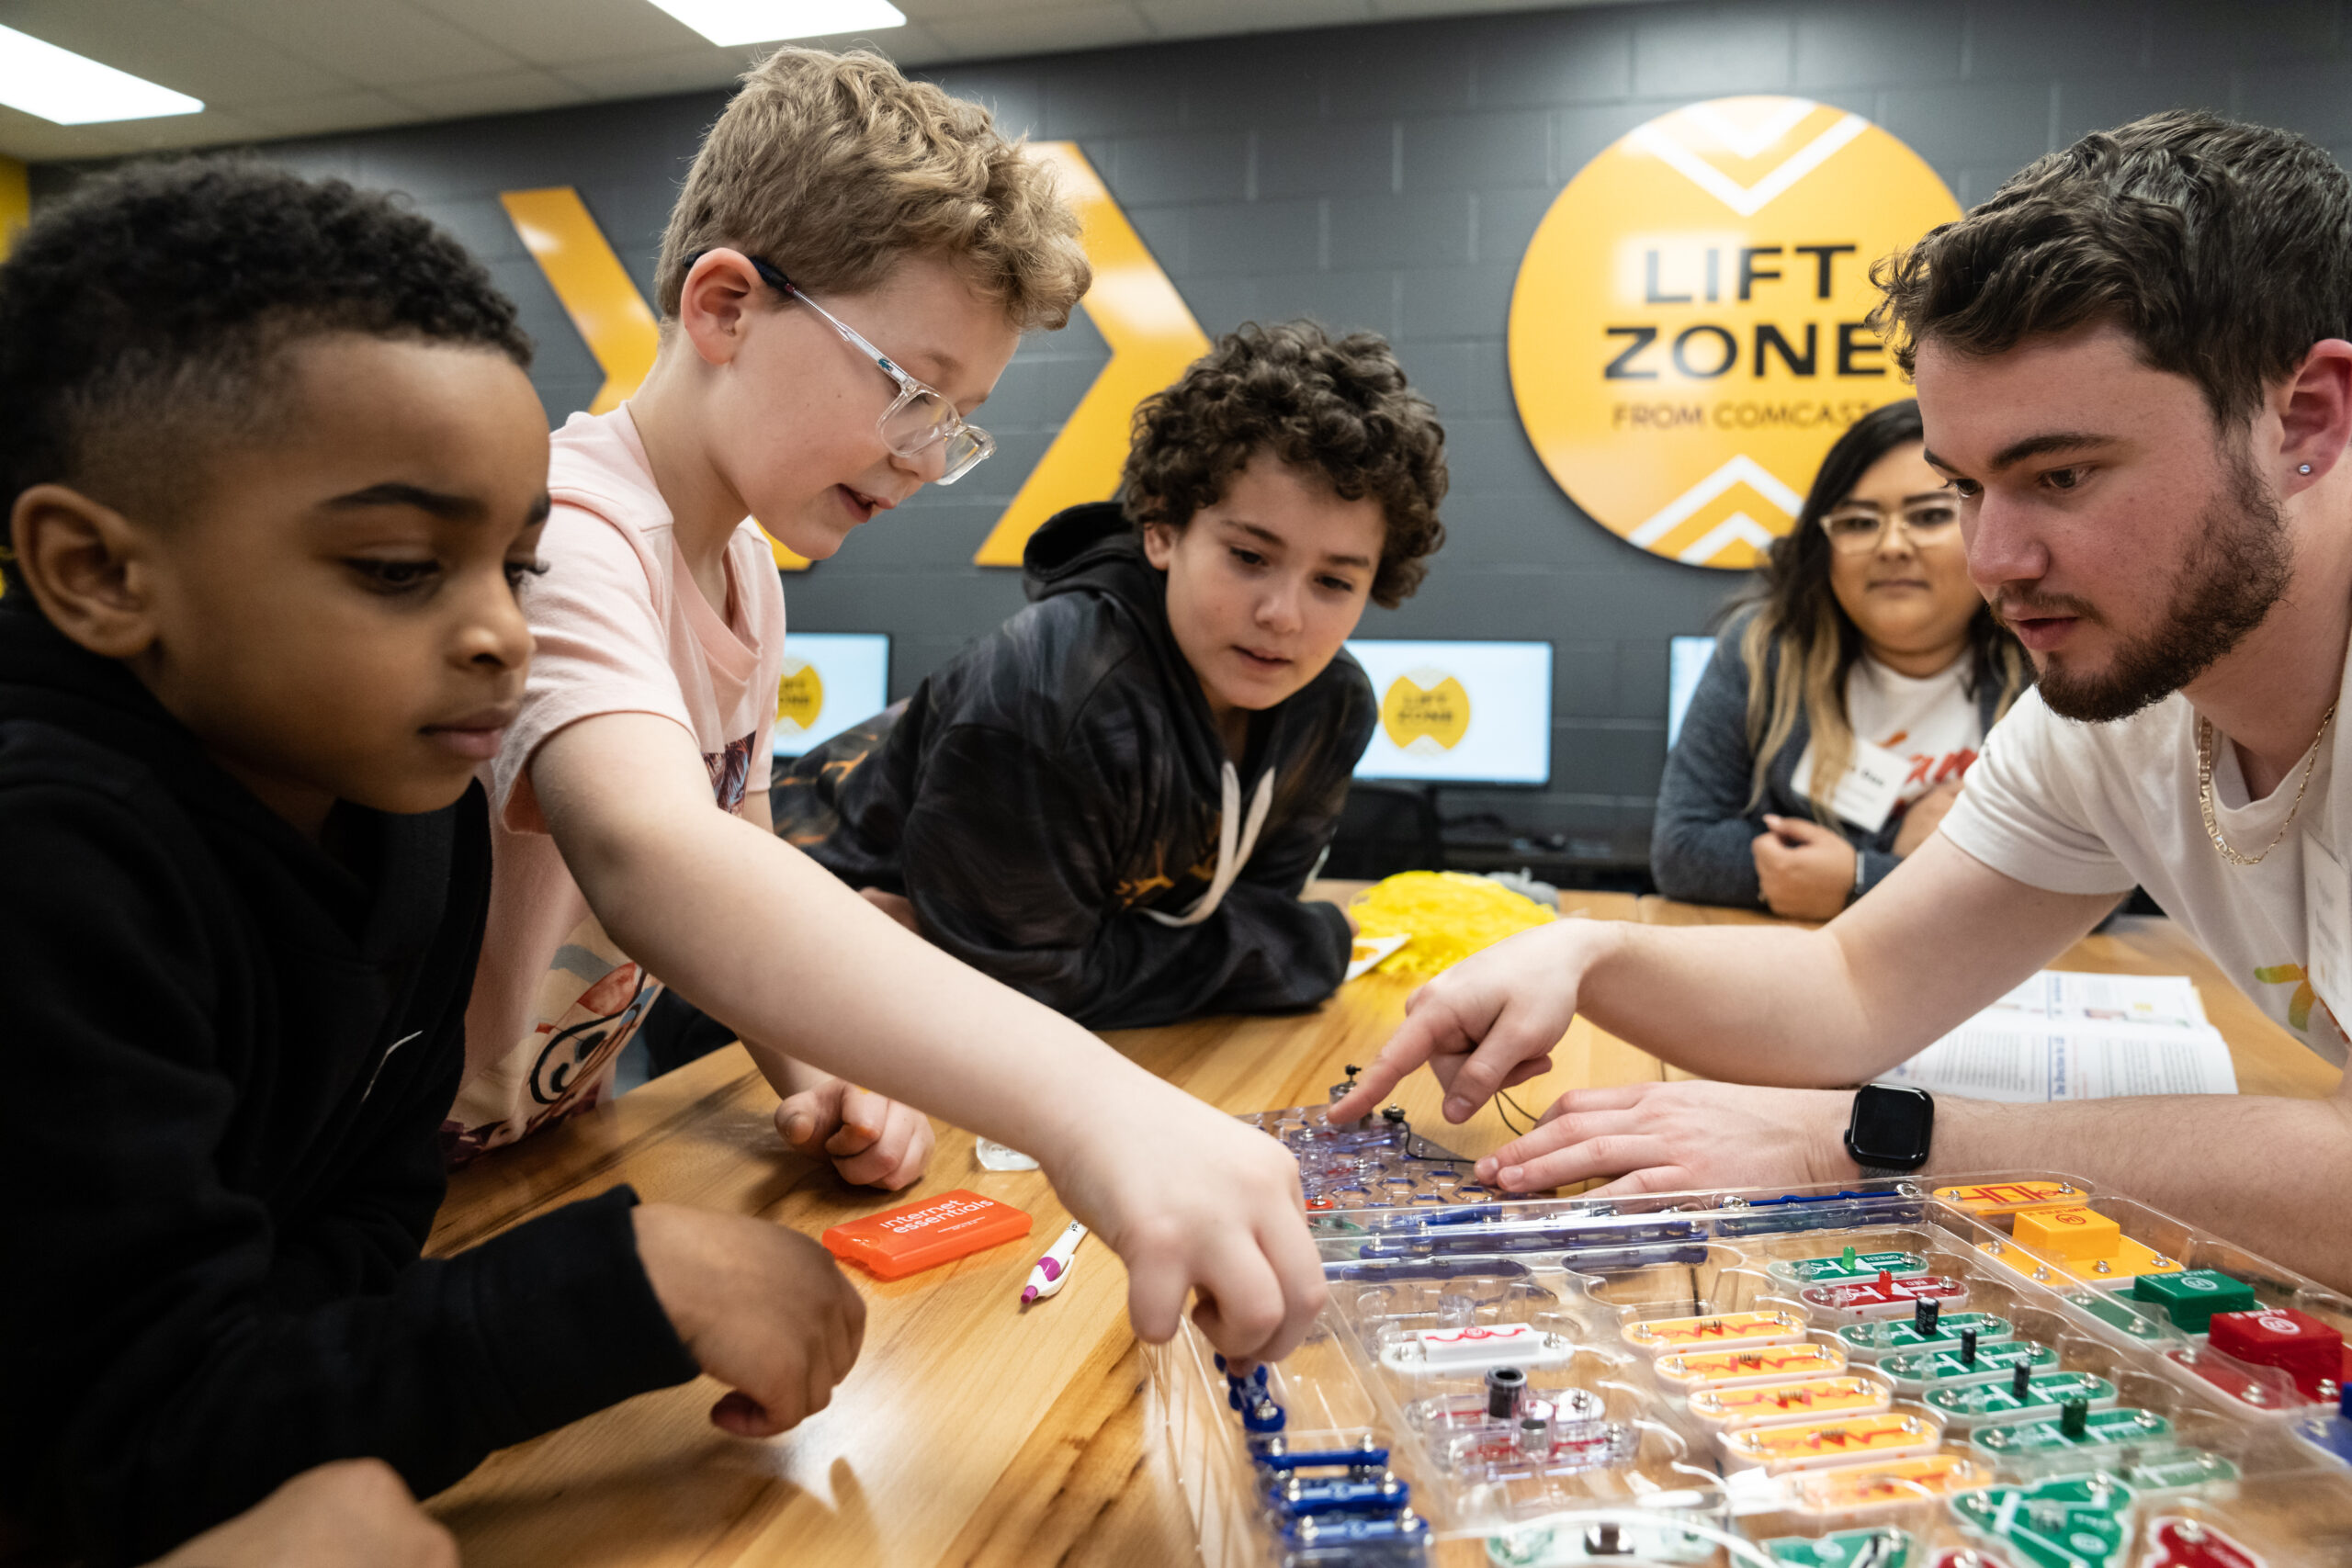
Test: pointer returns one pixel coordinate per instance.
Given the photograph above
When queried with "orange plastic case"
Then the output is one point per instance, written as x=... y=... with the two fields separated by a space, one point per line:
x=924 y=1235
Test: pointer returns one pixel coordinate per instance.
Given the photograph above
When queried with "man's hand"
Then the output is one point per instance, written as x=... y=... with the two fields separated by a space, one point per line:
x=872 y=1140
x=354 y=1513
x=1806 y=870
x=1194 y=1202
x=761 y=1308
x=898 y=906
x=1924 y=816
x=1489 y=1022
x=1666 y=1138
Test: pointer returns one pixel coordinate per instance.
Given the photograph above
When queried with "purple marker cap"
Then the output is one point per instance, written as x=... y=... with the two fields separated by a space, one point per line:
x=1028 y=1293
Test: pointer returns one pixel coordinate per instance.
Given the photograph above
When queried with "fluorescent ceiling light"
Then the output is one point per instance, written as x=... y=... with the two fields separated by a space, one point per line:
x=66 y=88
x=764 y=21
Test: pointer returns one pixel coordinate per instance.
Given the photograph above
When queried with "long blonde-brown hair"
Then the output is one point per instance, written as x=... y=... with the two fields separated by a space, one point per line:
x=1802 y=644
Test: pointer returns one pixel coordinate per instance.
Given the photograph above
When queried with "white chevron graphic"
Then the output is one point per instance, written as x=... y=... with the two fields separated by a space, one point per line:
x=1740 y=526
x=1742 y=468
x=1748 y=200
x=1757 y=142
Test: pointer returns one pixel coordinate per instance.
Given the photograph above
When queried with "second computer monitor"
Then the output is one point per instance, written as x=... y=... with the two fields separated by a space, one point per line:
x=1468 y=712
x=832 y=680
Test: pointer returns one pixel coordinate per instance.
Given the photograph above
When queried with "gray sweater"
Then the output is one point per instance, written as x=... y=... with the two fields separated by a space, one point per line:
x=1700 y=845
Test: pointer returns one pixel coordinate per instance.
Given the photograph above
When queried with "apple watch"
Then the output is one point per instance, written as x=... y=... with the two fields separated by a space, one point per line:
x=1891 y=1129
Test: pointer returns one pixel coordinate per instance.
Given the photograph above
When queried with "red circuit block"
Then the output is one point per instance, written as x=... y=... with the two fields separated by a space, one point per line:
x=2295 y=1342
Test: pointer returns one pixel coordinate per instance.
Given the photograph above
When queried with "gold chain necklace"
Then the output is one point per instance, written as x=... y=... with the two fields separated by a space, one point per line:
x=2205 y=790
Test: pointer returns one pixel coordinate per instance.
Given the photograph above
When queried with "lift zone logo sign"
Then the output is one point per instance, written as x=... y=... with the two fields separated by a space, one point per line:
x=1688 y=331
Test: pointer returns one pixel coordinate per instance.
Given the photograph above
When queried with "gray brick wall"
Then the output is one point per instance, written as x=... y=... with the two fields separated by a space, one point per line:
x=1389 y=177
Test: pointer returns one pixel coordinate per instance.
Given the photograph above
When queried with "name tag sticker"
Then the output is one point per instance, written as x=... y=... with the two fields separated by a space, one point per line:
x=1867 y=791
x=2327 y=926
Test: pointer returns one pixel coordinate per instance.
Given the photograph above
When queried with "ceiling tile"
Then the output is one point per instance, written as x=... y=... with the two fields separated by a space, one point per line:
x=382 y=43
x=1210 y=18
x=560 y=32
x=678 y=70
x=503 y=92
x=1042 y=31
x=334 y=111
x=170 y=44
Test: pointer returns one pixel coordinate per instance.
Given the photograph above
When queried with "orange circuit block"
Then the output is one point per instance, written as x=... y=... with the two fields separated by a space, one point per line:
x=923 y=1234
x=1897 y=1482
x=1716 y=1331
x=2088 y=1246
x=2011 y=1197
x=1734 y=1369
x=1846 y=1440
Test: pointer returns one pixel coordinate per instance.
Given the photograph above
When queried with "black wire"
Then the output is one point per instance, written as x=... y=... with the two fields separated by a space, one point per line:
x=1516 y=1130
x=1504 y=1095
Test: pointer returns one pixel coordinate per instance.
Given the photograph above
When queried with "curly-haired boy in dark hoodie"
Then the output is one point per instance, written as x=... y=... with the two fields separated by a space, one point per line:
x=1113 y=802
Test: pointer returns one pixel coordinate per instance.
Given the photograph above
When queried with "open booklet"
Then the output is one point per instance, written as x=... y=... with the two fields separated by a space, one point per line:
x=2064 y=1035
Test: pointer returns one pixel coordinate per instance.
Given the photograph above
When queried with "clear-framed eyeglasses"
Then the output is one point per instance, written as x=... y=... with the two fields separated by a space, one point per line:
x=1854 y=528
x=919 y=418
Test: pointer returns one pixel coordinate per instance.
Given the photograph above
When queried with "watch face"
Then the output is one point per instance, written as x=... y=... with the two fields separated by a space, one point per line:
x=1891 y=1126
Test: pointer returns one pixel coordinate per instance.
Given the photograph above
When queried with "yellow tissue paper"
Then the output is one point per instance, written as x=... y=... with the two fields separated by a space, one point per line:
x=1449 y=914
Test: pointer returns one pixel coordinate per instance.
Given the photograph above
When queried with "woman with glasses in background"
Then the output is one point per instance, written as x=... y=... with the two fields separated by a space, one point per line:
x=1849 y=692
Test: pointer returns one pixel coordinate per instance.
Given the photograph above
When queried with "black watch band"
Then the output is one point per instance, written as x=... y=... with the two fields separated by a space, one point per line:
x=1891 y=1129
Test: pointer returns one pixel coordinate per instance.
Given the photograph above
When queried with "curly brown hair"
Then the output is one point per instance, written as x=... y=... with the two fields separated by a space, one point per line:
x=1338 y=405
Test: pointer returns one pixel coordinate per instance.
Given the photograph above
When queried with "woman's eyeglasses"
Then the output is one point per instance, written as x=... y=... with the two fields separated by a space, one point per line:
x=1854 y=528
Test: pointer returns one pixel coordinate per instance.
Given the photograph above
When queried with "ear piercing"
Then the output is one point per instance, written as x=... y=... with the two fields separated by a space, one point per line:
x=2305 y=469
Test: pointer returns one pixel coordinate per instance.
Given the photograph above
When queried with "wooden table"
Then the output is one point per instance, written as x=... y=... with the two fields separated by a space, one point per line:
x=975 y=1431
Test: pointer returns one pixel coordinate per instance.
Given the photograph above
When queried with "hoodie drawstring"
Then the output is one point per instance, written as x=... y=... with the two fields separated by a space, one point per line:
x=1231 y=856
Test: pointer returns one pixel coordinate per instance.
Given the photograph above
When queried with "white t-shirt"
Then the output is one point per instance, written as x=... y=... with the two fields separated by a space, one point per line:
x=620 y=628
x=1928 y=721
x=2097 y=808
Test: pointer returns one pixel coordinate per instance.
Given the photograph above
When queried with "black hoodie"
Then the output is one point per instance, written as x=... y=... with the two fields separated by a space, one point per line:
x=226 y=1059
x=1059 y=783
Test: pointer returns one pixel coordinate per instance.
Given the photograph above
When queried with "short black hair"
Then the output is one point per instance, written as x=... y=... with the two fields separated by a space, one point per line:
x=144 y=317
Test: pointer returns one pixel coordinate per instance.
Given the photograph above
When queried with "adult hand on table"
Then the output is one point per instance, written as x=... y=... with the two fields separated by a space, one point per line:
x=353 y=1514
x=871 y=1140
x=758 y=1306
x=1667 y=1137
x=1489 y=1022
x=1805 y=870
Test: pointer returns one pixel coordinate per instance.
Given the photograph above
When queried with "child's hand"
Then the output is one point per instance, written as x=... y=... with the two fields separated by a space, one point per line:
x=1489 y=1022
x=1195 y=1202
x=762 y=1308
x=872 y=1140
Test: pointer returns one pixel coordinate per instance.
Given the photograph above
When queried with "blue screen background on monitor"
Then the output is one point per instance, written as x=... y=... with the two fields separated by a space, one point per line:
x=832 y=680
x=1467 y=712
x=1686 y=661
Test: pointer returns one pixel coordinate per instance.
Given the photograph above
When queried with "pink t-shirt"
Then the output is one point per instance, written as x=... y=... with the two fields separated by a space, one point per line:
x=620 y=628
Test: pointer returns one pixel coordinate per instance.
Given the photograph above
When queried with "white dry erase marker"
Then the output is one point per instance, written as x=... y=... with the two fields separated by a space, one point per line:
x=1054 y=1268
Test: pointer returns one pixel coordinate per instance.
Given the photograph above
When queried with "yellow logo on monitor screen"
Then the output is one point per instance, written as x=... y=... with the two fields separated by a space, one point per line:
x=800 y=696
x=1687 y=333
x=1426 y=712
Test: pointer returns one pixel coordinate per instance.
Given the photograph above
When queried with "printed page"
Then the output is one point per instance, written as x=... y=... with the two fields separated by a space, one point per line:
x=2026 y=1061
x=2073 y=995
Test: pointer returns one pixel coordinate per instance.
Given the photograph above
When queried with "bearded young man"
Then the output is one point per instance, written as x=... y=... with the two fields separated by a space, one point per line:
x=2133 y=366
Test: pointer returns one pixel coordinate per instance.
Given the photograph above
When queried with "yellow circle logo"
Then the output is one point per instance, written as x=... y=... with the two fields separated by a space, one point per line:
x=1425 y=712
x=800 y=696
x=1687 y=333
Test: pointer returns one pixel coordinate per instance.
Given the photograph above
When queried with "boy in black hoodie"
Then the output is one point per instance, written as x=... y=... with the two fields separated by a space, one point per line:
x=274 y=470
x=1113 y=802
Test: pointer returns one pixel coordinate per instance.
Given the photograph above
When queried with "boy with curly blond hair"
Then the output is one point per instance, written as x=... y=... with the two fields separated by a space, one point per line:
x=851 y=263
x=1113 y=802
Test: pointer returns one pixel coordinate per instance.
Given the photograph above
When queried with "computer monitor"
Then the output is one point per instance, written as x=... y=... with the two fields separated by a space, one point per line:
x=832 y=680
x=1686 y=661
x=1459 y=712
